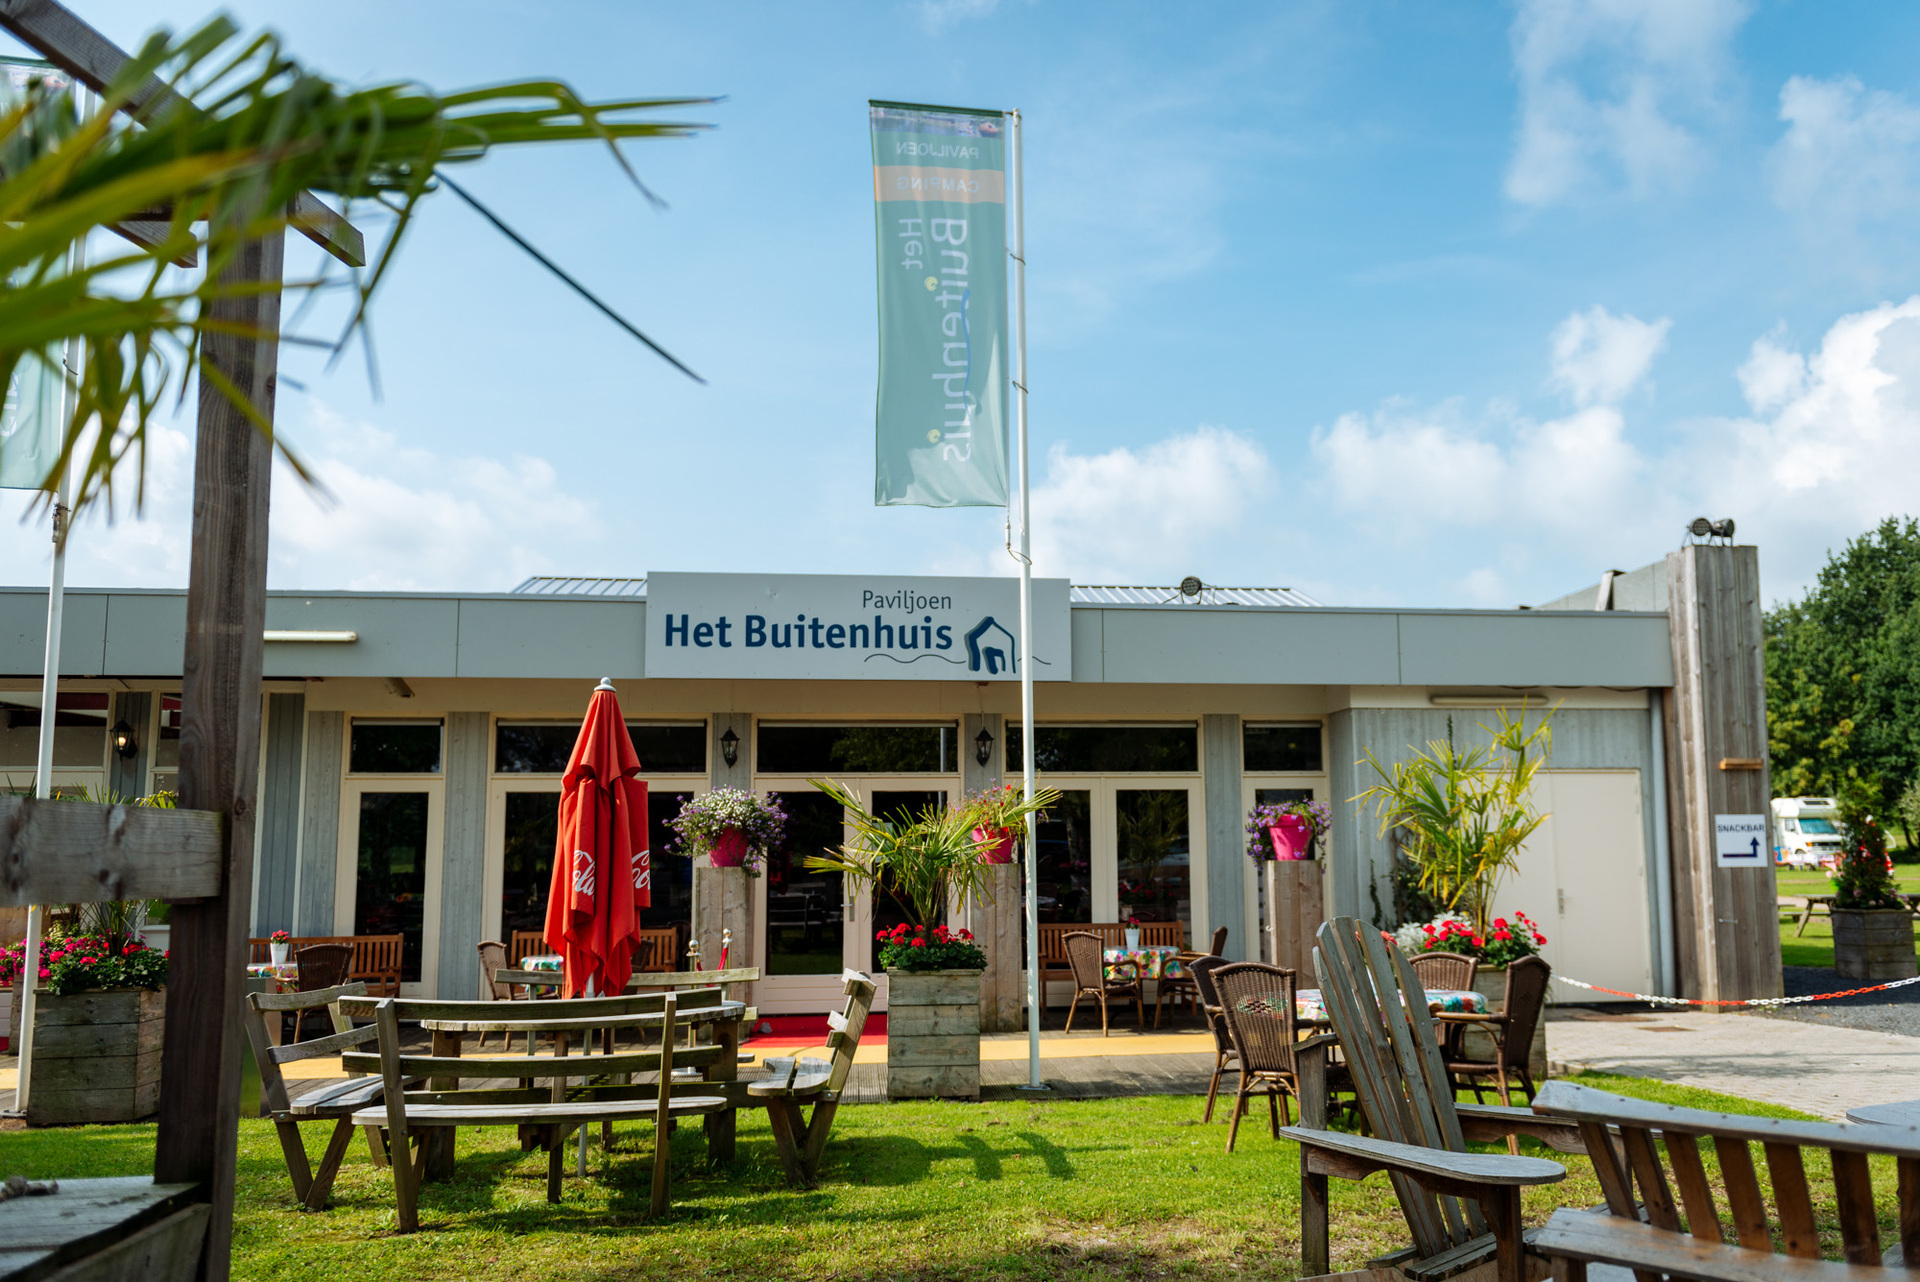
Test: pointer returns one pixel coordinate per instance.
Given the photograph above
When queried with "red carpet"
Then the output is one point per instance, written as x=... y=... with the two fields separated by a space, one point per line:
x=802 y=1032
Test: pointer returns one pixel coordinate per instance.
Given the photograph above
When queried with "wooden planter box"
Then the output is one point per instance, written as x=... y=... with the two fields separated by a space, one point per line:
x=1873 y=943
x=96 y=1056
x=933 y=1034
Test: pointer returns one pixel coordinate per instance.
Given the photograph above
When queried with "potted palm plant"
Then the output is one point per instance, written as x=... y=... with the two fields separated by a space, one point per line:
x=927 y=863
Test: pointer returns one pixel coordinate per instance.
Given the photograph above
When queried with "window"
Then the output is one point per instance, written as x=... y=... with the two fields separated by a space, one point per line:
x=874 y=750
x=166 y=749
x=543 y=747
x=79 y=729
x=390 y=892
x=806 y=925
x=1107 y=749
x=1285 y=749
x=395 y=748
x=1823 y=826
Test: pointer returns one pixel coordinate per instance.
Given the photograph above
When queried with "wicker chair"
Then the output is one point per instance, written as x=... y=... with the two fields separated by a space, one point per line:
x=1446 y=970
x=1225 y=1059
x=1084 y=949
x=321 y=966
x=1512 y=1032
x=1257 y=1002
x=1219 y=948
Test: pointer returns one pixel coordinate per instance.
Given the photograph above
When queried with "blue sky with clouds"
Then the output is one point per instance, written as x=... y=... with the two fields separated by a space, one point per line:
x=1390 y=302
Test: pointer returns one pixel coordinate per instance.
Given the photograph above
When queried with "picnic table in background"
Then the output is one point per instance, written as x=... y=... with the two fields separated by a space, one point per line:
x=1154 y=961
x=1806 y=906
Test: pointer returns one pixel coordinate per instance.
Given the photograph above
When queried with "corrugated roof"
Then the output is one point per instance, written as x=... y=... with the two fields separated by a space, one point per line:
x=548 y=585
x=1083 y=594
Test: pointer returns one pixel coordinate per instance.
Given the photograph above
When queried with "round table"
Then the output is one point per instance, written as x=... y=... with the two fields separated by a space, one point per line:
x=1904 y=1112
x=285 y=975
x=1155 y=961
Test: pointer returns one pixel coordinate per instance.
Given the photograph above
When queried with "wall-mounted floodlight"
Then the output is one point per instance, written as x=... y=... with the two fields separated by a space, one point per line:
x=310 y=636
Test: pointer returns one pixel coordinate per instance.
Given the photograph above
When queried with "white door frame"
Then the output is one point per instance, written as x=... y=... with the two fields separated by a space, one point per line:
x=347 y=869
x=812 y=994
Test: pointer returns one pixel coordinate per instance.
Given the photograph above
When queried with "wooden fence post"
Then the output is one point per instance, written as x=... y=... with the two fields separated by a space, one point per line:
x=220 y=747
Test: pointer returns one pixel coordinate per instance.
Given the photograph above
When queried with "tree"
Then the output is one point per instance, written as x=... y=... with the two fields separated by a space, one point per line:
x=1843 y=685
x=229 y=132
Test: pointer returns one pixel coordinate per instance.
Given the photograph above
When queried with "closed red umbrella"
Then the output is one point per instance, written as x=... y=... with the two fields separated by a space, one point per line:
x=600 y=864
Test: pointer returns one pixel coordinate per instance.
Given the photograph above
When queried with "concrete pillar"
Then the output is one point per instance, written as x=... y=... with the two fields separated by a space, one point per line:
x=463 y=855
x=1225 y=871
x=723 y=897
x=319 y=823
x=279 y=827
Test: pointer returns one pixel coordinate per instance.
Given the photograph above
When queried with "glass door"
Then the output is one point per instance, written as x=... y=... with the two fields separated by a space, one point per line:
x=814 y=926
x=389 y=884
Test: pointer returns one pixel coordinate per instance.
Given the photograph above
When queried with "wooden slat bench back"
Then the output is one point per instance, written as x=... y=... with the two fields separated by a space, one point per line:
x=376 y=958
x=1053 y=936
x=1683 y=1231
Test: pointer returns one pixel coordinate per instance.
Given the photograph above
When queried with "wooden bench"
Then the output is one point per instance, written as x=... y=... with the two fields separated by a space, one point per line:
x=654 y=952
x=376 y=958
x=553 y=1112
x=335 y=1102
x=1637 y=1183
x=1805 y=906
x=1053 y=945
x=792 y=1084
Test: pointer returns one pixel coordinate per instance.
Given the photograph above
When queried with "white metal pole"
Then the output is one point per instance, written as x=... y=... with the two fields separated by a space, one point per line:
x=1017 y=198
x=22 y=1037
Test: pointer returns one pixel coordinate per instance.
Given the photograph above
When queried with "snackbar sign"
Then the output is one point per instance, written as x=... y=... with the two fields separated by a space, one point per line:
x=851 y=628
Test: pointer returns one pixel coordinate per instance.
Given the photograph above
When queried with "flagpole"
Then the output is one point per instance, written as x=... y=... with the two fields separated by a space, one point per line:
x=1017 y=198
x=29 y=977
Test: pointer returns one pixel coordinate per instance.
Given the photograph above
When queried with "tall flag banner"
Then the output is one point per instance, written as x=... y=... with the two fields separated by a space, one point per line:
x=940 y=217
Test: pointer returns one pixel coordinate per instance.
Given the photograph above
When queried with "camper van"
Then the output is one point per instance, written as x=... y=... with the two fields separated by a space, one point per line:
x=1808 y=830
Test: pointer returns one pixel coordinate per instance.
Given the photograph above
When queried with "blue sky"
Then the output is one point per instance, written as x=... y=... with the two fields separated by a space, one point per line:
x=1393 y=303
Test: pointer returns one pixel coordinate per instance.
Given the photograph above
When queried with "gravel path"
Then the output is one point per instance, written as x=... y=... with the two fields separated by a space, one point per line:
x=1893 y=1011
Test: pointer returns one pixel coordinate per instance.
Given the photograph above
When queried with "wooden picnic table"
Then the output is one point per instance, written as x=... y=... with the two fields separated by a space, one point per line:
x=724 y=1019
x=1805 y=905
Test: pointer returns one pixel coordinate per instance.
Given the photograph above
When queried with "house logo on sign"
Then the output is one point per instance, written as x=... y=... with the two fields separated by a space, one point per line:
x=1740 y=841
x=990 y=648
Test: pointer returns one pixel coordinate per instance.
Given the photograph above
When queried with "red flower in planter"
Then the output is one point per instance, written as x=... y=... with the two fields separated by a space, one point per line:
x=919 y=943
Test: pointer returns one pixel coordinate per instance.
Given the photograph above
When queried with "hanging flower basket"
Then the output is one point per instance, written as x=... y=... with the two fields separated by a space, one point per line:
x=996 y=845
x=736 y=827
x=1286 y=830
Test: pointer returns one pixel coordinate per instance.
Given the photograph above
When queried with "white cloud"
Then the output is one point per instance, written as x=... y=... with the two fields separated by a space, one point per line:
x=1174 y=507
x=1613 y=94
x=1831 y=446
x=1849 y=154
x=1598 y=358
x=391 y=518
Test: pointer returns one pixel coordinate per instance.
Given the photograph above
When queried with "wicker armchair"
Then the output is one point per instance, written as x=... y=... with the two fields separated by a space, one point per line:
x=1257 y=1002
x=1084 y=956
x=493 y=960
x=321 y=966
x=1512 y=1031
x=1225 y=1059
x=1180 y=988
x=1446 y=970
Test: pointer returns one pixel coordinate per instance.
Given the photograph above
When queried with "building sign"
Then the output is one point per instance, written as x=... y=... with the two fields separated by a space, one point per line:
x=845 y=627
x=1740 y=841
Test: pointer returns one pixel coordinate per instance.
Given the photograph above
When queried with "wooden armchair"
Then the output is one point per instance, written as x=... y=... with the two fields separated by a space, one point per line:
x=1461 y=1208
x=1685 y=1237
x=1085 y=955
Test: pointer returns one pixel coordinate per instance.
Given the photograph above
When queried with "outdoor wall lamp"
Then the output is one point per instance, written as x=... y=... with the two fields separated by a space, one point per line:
x=123 y=741
x=730 y=746
x=983 y=747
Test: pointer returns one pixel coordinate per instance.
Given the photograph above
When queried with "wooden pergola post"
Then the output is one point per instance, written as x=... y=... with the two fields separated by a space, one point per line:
x=221 y=671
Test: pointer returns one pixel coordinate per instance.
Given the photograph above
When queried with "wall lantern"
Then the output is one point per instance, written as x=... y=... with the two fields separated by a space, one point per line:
x=123 y=741
x=983 y=747
x=730 y=746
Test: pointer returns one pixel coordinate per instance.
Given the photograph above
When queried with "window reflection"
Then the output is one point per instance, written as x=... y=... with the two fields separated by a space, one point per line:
x=1063 y=841
x=805 y=930
x=1155 y=866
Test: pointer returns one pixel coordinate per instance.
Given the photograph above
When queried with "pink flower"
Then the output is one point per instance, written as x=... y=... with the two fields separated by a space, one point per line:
x=45 y=973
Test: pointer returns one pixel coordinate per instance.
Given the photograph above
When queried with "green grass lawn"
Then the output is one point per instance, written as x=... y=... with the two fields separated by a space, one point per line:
x=1815 y=948
x=1125 y=1188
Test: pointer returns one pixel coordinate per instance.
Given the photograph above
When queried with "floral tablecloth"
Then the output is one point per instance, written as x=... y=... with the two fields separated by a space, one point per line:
x=543 y=961
x=1156 y=961
x=1308 y=1007
x=285 y=975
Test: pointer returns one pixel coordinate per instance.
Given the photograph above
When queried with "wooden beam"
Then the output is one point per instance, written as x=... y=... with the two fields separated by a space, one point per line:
x=75 y=852
x=84 y=53
x=220 y=745
x=150 y=234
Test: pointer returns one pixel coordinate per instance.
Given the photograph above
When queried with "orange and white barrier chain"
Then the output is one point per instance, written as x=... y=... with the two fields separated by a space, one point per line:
x=1752 y=1001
